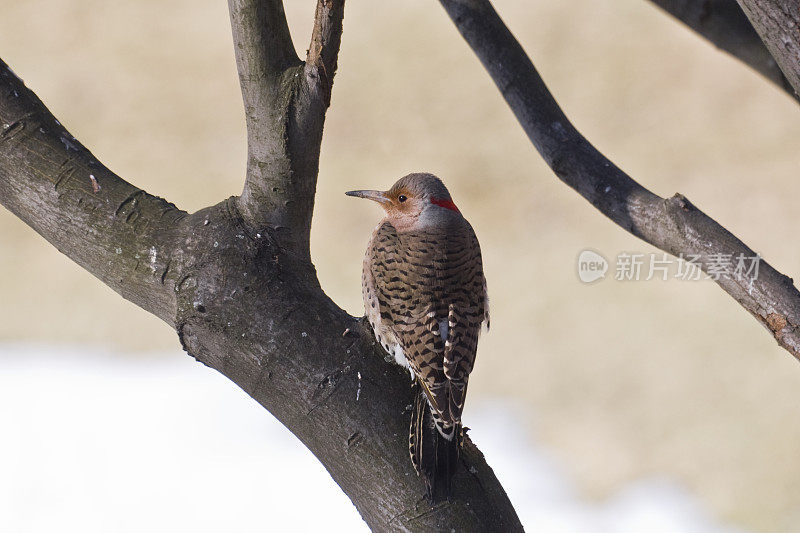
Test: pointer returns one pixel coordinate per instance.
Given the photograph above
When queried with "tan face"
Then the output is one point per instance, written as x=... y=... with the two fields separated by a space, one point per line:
x=415 y=202
x=403 y=203
x=398 y=202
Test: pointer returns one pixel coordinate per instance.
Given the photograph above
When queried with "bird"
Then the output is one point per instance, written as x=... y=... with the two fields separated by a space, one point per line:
x=425 y=299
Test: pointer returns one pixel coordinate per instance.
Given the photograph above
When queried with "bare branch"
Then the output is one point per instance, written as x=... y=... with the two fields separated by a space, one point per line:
x=258 y=315
x=726 y=26
x=285 y=102
x=272 y=330
x=673 y=225
x=777 y=22
x=250 y=306
x=263 y=46
x=327 y=36
x=265 y=58
x=57 y=187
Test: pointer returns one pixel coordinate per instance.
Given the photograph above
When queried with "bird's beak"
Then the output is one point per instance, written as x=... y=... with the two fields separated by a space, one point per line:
x=378 y=196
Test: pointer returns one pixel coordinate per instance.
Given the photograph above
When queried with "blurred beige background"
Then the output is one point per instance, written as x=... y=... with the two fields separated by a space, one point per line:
x=621 y=380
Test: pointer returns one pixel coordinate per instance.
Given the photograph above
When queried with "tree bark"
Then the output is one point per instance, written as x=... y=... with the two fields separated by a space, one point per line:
x=236 y=281
x=673 y=224
x=778 y=24
x=724 y=24
x=119 y=233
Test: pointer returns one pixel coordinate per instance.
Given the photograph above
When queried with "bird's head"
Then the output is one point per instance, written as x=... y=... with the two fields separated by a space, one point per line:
x=414 y=200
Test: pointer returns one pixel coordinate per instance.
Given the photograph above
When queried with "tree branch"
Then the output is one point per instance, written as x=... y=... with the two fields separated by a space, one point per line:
x=119 y=233
x=777 y=22
x=236 y=281
x=266 y=61
x=263 y=46
x=326 y=38
x=268 y=327
x=274 y=332
x=673 y=225
x=726 y=26
x=285 y=102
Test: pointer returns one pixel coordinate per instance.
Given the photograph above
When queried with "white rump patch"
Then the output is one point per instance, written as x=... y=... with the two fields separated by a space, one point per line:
x=400 y=356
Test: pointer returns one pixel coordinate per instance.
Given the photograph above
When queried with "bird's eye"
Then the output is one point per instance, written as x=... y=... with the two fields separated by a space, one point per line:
x=402 y=198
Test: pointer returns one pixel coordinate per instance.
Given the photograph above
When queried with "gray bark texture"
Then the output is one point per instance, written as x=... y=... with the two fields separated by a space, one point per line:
x=236 y=281
x=778 y=24
x=673 y=225
x=724 y=24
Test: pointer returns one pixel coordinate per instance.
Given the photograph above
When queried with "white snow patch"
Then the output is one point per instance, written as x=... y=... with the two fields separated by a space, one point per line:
x=547 y=501
x=97 y=442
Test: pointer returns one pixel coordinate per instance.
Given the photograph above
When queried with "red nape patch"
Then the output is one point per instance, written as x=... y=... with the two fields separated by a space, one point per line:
x=447 y=204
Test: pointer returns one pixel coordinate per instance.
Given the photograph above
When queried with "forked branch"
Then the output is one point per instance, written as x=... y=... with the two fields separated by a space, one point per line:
x=672 y=224
x=285 y=100
x=236 y=281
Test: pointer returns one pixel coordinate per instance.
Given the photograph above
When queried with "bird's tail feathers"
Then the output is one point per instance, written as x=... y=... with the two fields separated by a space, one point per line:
x=434 y=447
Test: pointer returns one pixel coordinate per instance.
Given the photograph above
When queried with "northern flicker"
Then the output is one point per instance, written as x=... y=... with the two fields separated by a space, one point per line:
x=425 y=298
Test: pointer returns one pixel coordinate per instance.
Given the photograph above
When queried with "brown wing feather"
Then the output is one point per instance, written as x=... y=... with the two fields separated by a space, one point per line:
x=421 y=279
x=467 y=310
